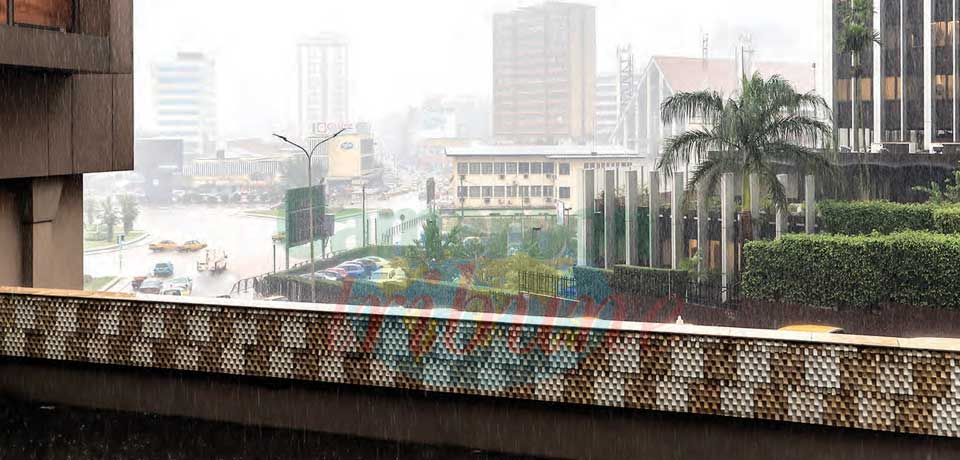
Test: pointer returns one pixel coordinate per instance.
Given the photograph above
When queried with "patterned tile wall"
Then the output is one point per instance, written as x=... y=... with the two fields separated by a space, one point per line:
x=858 y=386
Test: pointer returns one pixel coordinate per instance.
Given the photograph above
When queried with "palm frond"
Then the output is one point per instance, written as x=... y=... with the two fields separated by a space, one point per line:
x=685 y=106
x=694 y=144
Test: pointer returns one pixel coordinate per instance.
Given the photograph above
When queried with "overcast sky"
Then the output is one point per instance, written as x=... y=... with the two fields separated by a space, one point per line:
x=404 y=50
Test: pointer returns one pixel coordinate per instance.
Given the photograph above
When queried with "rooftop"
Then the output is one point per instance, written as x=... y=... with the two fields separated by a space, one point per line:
x=552 y=151
x=684 y=74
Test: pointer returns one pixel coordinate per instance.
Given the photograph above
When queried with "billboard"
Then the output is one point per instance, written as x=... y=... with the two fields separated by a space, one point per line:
x=298 y=216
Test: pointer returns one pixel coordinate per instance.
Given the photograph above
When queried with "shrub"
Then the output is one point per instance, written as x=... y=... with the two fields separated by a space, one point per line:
x=866 y=217
x=912 y=268
x=947 y=219
x=649 y=282
x=593 y=283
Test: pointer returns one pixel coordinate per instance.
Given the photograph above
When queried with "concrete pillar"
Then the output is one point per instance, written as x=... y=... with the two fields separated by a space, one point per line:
x=703 y=241
x=781 y=213
x=609 y=219
x=52 y=245
x=585 y=219
x=755 y=205
x=677 y=243
x=727 y=216
x=654 y=219
x=810 y=201
x=632 y=201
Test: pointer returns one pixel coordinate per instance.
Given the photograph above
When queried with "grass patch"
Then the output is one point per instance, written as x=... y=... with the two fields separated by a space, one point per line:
x=96 y=284
x=99 y=244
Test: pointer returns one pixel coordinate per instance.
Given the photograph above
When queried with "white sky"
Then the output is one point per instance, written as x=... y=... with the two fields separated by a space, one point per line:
x=404 y=50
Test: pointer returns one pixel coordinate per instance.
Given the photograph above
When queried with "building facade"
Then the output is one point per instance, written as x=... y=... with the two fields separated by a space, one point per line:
x=908 y=82
x=608 y=106
x=530 y=177
x=66 y=108
x=185 y=102
x=323 y=83
x=544 y=74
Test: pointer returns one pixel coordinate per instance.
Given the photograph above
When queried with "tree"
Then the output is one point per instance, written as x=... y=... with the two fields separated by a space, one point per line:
x=90 y=210
x=764 y=124
x=855 y=36
x=108 y=217
x=948 y=194
x=129 y=211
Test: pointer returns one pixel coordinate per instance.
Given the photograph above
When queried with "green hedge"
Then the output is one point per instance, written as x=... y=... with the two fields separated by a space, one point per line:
x=866 y=217
x=593 y=283
x=911 y=268
x=649 y=282
x=947 y=219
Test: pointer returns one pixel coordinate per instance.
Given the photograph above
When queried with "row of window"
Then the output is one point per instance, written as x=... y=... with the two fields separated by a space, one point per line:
x=512 y=191
x=52 y=14
x=511 y=168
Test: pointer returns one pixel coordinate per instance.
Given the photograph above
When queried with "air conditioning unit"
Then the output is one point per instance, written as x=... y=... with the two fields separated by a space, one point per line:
x=510 y=203
x=502 y=177
x=486 y=201
x=501 y=201
x=526 y=176
x=526 y=200
x=551 y=176
x=548 y=199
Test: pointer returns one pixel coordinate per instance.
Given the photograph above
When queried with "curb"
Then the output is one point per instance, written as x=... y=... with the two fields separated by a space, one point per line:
x=116 y=247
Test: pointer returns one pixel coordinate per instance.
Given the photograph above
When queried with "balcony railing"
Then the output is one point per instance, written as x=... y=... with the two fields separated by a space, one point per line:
x=45 y=14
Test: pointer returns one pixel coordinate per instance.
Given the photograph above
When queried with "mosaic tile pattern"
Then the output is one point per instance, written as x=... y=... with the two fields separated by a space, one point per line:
x=858 y=386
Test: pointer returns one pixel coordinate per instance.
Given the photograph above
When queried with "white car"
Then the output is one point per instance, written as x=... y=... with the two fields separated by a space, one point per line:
x=388 y=275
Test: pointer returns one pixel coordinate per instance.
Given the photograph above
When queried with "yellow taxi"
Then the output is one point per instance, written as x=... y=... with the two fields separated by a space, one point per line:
x=165 y=245
x=191 y=246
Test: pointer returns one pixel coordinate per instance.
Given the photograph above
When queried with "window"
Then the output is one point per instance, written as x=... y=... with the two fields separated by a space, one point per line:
x=564 y=169
x=499 y=191
x=548 y=191
x=564 y=193
x=475 y=168
x=548 y=168
x=511 y=168
x=524 y=191
x=499 y=169
x=475 y=192
x=512 y=191
x=53 y=14
x=487 y=168
x=891 y=88
x=535 y=191
x=487 y=191
x=524 y=168
x=536 y=168
x=463 y=169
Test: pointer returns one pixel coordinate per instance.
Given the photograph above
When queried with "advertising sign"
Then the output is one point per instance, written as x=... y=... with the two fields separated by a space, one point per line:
x=298 y=216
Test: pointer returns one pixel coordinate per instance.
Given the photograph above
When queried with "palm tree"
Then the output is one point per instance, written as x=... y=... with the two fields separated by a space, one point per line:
x=109 y=217
x=855 y=36
x=129 y=211
x=766 y=123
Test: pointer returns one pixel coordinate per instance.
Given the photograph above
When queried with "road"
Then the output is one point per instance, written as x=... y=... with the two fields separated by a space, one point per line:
x=245 y=239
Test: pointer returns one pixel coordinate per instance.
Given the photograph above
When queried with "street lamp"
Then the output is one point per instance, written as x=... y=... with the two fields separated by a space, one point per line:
x=313 y=268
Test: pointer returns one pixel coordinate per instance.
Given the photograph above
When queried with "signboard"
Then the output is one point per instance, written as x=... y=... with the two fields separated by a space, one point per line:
x=298 y=216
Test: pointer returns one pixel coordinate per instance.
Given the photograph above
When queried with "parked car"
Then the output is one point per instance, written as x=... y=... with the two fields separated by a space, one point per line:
x=163 y=270
x=388 y=276
x=183 y=285
x=380 y=261
x=369 y=266
x=333 y=274
x=191 y=246
x=165 y=245
x=151 y=286
x=355 y=271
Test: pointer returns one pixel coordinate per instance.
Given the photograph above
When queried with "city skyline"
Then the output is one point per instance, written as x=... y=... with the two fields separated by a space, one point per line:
x=451 y=58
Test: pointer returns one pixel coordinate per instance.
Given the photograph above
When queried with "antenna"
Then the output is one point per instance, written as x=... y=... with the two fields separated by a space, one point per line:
x=705 y=48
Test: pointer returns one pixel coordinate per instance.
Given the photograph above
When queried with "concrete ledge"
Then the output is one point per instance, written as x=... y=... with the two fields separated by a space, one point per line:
x=53 y=50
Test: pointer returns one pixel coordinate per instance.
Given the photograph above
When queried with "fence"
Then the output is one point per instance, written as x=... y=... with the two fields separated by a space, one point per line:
x=387 y=237
x=564 y=287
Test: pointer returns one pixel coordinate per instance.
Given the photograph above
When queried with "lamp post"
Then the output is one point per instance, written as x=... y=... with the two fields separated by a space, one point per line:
x=313 y=276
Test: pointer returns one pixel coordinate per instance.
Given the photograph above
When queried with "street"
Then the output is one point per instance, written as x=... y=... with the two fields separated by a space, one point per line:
x=245 y=239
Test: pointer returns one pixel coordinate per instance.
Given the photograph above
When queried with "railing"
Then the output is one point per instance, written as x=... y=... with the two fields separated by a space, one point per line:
x=387 y=237
x=564 y=287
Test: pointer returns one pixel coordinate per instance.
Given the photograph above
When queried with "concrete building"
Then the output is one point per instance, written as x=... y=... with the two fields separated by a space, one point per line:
x=66 y=108
x=160 y=162
x=323 y=82
x=185 y=102
x=349 y=159
x=544 y=74
x=531 y=177
x=908 y=84
x=665 y=76
x=608 y=105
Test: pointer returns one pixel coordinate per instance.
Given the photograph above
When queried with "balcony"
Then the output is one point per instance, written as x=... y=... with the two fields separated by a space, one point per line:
x=92 y=36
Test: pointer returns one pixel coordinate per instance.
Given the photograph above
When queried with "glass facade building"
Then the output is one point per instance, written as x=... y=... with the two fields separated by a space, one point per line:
x=908 y=81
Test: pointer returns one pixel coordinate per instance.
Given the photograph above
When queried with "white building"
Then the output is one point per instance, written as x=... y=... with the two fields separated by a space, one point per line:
x=185 y=102
x=608 y=105
x=323 y=79
x=523 y=177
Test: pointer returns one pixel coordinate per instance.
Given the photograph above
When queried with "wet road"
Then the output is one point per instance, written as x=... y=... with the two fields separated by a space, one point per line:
x=28 y=432
x=246 y=240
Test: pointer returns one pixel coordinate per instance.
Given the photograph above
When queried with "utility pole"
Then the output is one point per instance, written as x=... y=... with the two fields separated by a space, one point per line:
x=363 y=212
x=313 y=267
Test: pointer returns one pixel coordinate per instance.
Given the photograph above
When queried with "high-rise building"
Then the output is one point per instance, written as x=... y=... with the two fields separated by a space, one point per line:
x=608 y=106
x=908 y=82
x=324 y=89
x=544 y=74
x=185 y=102
x=66 y=109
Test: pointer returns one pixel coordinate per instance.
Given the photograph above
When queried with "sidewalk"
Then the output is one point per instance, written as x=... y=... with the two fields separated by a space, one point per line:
x=116 y=247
